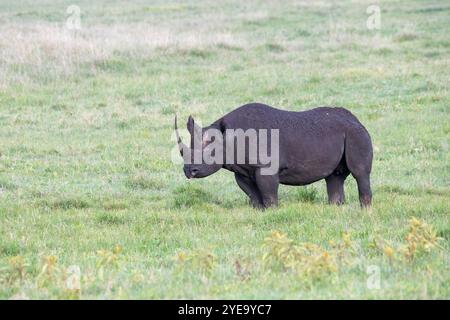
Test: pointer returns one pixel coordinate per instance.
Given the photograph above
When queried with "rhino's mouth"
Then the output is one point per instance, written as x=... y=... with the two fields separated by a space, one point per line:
x=190 y=173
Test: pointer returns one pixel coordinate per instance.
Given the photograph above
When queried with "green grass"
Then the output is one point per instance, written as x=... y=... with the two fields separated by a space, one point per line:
x=86 y=144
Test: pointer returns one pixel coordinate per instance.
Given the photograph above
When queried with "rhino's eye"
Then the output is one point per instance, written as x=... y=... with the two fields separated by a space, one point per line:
x=207 y=139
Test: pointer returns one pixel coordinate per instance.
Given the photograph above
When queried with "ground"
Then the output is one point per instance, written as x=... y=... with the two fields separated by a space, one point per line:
x=93 y=206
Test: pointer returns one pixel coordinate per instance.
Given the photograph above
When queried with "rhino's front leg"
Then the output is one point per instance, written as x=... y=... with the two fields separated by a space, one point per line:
x=268 y=188
x=249 y=187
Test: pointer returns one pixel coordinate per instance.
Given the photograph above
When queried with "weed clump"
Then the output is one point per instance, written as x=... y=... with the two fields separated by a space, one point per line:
x=307 y=260
x=58 y=281
x=68 y=203
x=109 y=257
x=14 y=271
x=202 y=260
x=306 y=194
x=10 y=249
x=189 y=196
x=420 y=239
x=110 y=219
x=108 y=263
x=144 y=182
x=50 y=271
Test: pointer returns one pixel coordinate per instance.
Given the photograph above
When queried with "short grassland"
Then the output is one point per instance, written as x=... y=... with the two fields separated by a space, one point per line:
x=87 y=182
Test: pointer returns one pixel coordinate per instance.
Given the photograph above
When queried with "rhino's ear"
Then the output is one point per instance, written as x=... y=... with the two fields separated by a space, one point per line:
x=222 y=126
x=192 y=126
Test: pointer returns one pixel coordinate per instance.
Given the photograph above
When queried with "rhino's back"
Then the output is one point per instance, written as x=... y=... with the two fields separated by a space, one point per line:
x=261 y=116
x=311 y=142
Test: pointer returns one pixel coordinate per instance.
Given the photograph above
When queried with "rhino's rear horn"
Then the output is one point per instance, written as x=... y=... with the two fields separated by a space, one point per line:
x=181 y=145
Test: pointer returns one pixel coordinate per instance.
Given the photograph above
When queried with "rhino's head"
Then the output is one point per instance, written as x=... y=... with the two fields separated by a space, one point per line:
x=204 y=155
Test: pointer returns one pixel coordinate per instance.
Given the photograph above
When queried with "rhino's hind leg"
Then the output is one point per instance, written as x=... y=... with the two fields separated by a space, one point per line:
x=335 y=189
x=249 y=187
x=365 y=193
x=359 y=154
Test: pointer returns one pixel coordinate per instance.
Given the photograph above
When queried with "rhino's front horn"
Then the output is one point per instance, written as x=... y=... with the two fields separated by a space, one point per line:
x=181 y=145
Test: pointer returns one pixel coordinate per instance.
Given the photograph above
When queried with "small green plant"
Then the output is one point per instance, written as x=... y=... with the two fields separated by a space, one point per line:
x=386 y=248
x=202 y=260
x=307 y=259
x=144 y=182
x=420 y=239
x=109 y=257
x=190 y=195
x=15 y=271
x=50 y=271
x=306 y=194
x=242 y=269
x=343 y=249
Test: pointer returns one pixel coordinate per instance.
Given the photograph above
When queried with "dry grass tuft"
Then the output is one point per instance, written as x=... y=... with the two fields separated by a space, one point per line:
x=32 y=50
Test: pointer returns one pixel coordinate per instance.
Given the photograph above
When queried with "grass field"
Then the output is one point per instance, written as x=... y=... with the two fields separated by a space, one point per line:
x=92 y=206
